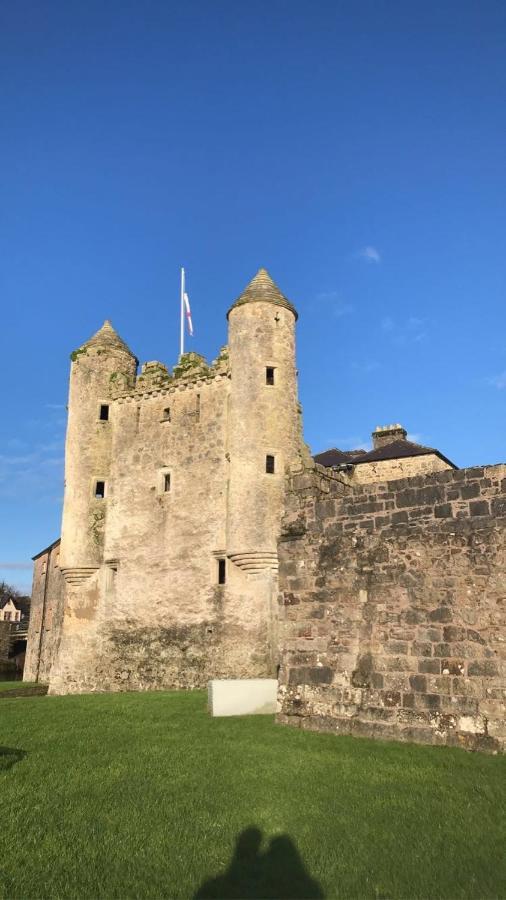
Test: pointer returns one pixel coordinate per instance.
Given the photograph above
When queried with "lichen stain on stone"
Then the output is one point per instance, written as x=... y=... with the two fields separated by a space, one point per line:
x=361 y=676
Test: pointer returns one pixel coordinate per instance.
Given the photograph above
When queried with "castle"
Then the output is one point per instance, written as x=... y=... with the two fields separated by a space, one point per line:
x=185 y=493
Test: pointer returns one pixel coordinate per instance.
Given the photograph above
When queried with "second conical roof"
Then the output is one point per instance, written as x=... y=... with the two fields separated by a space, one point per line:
x=263 y=288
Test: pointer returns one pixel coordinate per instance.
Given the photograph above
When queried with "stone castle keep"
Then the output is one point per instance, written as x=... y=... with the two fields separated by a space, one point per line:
x=200 y=540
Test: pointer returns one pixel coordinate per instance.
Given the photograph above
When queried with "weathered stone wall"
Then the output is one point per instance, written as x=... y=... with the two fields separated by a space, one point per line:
x=393 y=598
x=154 y=614
x=405 y=467
x=46 y=615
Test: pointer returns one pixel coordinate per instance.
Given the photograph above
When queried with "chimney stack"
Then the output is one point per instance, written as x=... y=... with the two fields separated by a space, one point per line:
x=386 y=434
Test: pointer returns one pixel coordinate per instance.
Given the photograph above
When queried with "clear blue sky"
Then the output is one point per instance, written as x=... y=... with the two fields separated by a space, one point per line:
x=357 y=150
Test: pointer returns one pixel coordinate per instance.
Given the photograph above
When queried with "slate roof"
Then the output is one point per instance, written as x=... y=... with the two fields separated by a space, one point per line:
x=400 y=449
x=263 y=288
x=47 y=549
x=24 y=604
x=108 y=337
x=337 y=457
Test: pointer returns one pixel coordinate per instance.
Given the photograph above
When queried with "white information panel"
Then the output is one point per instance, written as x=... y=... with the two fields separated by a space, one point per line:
x=242 y=696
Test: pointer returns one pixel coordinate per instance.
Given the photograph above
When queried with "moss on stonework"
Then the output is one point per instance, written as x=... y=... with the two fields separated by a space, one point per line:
x=222 y=360
x=97 y=526
x=190 y=364
x=76 y=353
x=154 y=374
x=152 y=379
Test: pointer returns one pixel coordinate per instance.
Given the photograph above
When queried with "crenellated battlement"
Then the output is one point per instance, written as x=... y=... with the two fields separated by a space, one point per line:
x=155 y=379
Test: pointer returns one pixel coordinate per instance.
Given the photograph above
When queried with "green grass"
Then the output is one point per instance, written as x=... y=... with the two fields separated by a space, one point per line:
x=144 y=795
x=15 y=685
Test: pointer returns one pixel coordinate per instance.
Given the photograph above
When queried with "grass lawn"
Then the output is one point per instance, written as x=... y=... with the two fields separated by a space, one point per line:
x=144 y=795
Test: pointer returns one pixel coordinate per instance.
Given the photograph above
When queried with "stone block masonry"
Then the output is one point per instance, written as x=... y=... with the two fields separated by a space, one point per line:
x=46 y=614
x=393 y=603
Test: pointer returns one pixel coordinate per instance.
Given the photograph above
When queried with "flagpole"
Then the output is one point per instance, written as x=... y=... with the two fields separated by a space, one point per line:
x=181 y=341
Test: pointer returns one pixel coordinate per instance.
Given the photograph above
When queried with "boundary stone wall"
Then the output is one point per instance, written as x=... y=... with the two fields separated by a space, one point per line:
x=5 y=632
x=393 y=607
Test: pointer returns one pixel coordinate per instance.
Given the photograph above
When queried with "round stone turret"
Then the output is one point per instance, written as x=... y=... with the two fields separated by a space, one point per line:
x=99 y=367
x=264 y=433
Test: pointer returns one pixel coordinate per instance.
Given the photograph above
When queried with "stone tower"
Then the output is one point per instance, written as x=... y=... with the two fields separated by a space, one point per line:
x=97 y=365
x=264 y=434
x=174 y=496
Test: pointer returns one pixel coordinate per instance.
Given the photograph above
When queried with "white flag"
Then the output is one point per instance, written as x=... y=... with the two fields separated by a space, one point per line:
x=188 y=313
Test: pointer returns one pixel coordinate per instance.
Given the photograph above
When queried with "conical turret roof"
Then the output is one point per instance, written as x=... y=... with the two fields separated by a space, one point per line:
x=108 y=338
x=263 y=288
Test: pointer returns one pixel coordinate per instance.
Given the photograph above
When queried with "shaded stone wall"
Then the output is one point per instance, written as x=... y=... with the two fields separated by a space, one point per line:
x=393 y=600
x=404 y=467
x=46 y=615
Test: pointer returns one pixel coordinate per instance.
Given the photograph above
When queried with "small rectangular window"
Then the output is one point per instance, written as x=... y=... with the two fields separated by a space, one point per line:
x=104 y=412
x=111 y=577
x=166 y=414
x=7 y=616
x=166 y=482
x=222 y=571
x=100 y=490
x=269 y=375
x=269 y=464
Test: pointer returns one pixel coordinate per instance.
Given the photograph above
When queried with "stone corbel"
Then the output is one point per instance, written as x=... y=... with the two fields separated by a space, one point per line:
x=77 y=575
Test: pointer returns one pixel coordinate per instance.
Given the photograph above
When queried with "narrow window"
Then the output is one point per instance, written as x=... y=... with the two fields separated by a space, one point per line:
x=269 y=375
x=166 y=414
x=197 y=408
x=269 y=464
x=100 y=490
x=111 y=577
x=104 y=412
x=222 y=571
x=166 y=482
x=7 y=616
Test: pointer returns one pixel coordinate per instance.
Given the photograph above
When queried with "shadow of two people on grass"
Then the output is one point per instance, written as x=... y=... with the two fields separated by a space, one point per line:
x=277 y=873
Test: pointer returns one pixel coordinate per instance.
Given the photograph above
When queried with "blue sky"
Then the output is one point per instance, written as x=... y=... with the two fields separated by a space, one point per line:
x=354 y=149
